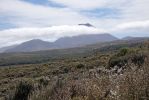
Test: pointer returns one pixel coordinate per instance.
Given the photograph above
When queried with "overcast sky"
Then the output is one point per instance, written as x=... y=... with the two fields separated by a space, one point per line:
x=22 y=20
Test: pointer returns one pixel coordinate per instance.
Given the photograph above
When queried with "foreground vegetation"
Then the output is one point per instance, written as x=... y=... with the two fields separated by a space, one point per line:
x=121 y=72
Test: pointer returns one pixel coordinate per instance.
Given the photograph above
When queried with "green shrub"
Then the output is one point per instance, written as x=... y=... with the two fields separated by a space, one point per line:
x=55 y=72
x=43 y=81
x=117 y=61
x=23 y=91
x=121 y=58
x=123 y=52
x=65 y=70
x=79 y=66
x=138 y=59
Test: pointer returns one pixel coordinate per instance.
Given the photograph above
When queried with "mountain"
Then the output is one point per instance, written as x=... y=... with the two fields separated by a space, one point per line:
x=32 y=45
x=134 y=38
x=65 y=42
x=81 y=40
x=84 y=51
x=128 y=38
x=6 y=48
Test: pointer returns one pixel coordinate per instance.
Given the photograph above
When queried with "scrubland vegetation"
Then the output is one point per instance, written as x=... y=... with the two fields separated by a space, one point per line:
x=120 y=73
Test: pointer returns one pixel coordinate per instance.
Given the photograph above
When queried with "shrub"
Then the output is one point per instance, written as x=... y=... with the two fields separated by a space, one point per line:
x=117 y=61
x=80 y=66
x=55 y=72
x=121 y=58
x=123 y=52
x=65 y=70
x=138 y=59
x=22 y=91
x=44 y=81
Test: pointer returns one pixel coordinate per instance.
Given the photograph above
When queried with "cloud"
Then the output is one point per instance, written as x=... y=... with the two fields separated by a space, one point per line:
x=135 y=28
x=81 y=4
x=136 y=10
x=24 y=14
x=19 y=35
x=132 y=18
x=133 y=25
x=89 y=4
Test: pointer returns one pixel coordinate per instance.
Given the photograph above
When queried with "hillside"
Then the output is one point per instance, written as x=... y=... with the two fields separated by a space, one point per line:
x=82 y=40
x=50 y=55
x=65 y=42
x=3 y=49
x=117 y=71
x=29 y=46
x=74 y=50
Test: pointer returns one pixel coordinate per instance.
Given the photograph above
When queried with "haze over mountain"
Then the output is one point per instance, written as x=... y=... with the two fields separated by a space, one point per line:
x=6 y=48
x=51 y=19
x=65 y=42
x=75 y=41
x=32 y=45
x=134 y=38
x=128 y=38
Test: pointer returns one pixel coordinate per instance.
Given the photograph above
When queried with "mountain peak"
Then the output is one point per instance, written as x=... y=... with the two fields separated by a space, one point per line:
x=65 y=42
x=128 y=38
x=31 y=45
x=34 y=40
x=86 y=24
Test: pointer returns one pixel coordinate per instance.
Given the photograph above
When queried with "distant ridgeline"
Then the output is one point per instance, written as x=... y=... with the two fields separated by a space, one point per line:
x=65 y=42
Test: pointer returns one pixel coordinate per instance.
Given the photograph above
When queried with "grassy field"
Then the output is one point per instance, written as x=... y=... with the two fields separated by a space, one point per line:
x=117 y=71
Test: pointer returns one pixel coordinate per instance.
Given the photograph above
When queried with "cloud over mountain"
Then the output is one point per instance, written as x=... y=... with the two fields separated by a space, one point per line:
x=23 y=20
x=18 y=35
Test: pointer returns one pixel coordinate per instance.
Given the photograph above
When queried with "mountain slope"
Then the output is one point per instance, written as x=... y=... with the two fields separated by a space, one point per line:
x=52 y=55
x=128 y=38
x=32 y=45
x=81 y=40
x=65 y=42
x=6 y=48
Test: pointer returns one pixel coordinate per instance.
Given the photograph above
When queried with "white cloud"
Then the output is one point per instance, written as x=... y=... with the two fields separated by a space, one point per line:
x=81 y=4
x=133 y=25
x=137 y=10
x=133 y=17
x=23 y=14
x=19 y=35
x=135 y=28
x=90 y=4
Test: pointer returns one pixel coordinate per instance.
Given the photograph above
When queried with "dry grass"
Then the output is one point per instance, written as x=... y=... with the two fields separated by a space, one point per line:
x=80 y=79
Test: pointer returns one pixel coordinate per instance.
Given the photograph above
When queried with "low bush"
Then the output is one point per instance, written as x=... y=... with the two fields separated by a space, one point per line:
x=123 y=52
x=138 y=59
x=117 y=61
x=23 y=90
x=80 y=66
x=44 y=81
